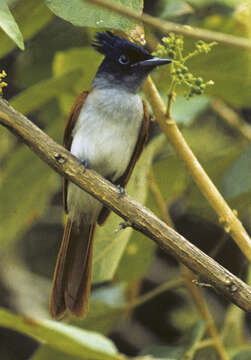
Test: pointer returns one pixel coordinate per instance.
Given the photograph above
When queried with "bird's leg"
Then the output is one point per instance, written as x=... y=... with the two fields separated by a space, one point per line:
x=122 y=191
x=85 y=163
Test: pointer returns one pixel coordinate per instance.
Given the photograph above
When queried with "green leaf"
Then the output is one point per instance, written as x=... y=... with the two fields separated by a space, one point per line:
x=66 y=338
x=175 y=8
x=35 y=96
x=84 y=59
x=216 y=150
x=185 y=111
x=202 y=3
x=244 y=354
x=171 y=178
x=82 y=13
x=35 y=64
x=106 y=307
x=165 y=352
x=7 y=142
x=46 y=352
x=101 y=317
x=183 y=318
x=9 y=25
x=236 y=180
x=234 y=327
x=136 y=259
x=31 y=16
x=110 y=295
x=35 y=182
x=24 y=196
x=111 y=243
x=228 y=66
x=193 y=337
x=197 y=332
x=179 y=352
x=26 y=185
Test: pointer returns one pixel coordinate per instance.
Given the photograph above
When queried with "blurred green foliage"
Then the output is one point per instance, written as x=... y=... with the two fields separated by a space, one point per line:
x=31 y=17
x=65 y=338
x=58 y=63
x=82 y=13
x=8 y=24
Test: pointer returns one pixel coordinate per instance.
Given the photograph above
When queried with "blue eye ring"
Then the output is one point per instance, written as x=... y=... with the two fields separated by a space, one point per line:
x=124 y=59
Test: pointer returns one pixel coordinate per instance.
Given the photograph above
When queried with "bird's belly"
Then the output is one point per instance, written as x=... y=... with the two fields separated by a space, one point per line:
x=106 y=139
x=109 y=150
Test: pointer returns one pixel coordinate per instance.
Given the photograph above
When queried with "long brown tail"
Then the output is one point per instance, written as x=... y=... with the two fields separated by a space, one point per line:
x=72 y=276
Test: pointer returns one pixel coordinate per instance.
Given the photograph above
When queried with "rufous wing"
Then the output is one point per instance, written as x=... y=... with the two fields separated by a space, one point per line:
x=123 y=180
x=71 y=121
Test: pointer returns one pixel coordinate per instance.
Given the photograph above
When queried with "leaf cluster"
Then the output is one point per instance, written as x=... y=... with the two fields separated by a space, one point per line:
x=2 y=83
x=173 y=47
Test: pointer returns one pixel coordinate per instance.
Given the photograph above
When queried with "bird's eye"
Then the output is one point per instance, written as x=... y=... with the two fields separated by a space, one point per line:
x=124 y=59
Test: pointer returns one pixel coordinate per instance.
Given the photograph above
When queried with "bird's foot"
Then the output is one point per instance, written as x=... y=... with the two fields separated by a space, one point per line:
x=85 y=163
x=122 y=191
x=125 y=224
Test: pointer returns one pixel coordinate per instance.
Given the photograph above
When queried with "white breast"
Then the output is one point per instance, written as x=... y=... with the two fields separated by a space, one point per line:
x=105 y=135
x=107 y=130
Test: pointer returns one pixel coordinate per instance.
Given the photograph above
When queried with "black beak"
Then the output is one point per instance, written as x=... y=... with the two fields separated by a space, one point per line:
x=155 y=61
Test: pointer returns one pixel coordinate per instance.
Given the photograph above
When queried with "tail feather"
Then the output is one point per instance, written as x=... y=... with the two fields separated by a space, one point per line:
x=72 y=277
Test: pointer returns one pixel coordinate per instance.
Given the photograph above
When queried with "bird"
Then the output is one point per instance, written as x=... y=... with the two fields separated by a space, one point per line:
x=106 y=129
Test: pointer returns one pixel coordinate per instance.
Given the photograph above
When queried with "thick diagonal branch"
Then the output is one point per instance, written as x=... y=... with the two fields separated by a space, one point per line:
x=142 y=219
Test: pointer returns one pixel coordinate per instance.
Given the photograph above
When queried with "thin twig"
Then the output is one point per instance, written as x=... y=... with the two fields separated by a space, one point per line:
x=234 y=321
x=190 y=353
x=232 y=224
x=167 y=26
x=143 y=220
x=159 y=199
x=172 y=284
x=205 y=343
x=234 y=326
x=188 y=278
x=201 y=304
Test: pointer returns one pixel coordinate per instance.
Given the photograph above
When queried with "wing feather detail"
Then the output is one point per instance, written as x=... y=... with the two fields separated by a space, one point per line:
x=70 y=123
x=123 y=180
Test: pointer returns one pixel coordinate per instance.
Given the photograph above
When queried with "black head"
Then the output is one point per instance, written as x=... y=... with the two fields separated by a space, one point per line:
x=125 y=64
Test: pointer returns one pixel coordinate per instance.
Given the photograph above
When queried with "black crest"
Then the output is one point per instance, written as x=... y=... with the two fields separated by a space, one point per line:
x=107 y=44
